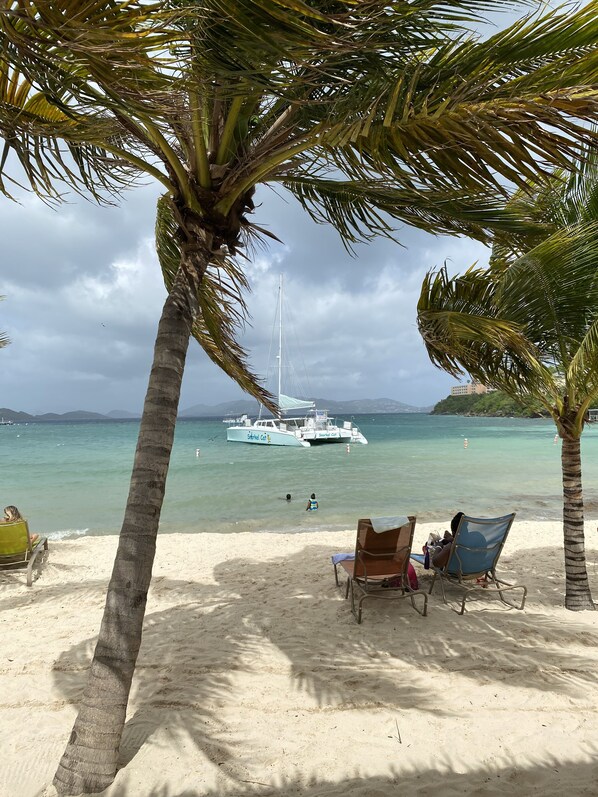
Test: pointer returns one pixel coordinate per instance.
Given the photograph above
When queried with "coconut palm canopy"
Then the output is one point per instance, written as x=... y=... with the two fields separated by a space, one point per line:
x=369 y=113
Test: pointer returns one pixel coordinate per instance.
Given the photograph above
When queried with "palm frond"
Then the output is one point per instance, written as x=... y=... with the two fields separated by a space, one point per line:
x=222 y=309
x=553 y=288
x=53 y=147
x=361 y=210
x=473 y=113
x=464 y=331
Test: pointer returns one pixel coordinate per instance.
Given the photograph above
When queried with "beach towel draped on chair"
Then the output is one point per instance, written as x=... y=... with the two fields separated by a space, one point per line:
x=379 y=566
x=17 y=549
x=471 y=566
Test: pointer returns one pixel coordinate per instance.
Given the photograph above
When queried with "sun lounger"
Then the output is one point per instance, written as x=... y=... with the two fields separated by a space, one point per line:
x=17 y=549
x=471 y=566
x=378 y=569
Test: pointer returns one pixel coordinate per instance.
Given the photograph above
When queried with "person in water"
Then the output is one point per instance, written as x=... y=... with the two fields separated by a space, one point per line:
x=288 y=496
x=312 y=504
x=11 y=515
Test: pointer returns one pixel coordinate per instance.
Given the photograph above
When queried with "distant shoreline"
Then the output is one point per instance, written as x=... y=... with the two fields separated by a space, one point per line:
x=82 y=417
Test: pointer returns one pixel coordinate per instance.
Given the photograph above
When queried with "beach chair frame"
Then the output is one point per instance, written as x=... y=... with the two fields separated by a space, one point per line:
x=379 y=559
x=478 y=579
x=15 y=535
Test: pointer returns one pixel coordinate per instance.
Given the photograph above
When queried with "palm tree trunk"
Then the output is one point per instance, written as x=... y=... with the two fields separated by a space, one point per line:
x=89 y=761
x=577 y=587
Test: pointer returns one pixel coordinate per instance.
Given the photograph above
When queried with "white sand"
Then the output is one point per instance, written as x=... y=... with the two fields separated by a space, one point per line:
x=254 y=679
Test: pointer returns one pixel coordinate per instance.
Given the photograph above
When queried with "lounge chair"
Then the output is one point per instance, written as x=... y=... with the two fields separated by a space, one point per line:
x=378 y=569
x=17 y=549
x=471 y=566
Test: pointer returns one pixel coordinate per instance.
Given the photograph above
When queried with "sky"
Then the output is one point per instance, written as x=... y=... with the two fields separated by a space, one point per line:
x=84 y=295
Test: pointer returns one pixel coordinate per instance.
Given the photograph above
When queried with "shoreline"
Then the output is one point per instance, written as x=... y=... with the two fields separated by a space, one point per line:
x=254 y=679
x=436 y=520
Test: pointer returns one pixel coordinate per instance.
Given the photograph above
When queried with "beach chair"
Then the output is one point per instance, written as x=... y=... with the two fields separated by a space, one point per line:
x=471 y=566
x=17 y=550
x=378 y=569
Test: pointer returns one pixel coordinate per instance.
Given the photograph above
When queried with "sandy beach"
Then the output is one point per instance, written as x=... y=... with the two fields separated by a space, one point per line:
x=254 y=679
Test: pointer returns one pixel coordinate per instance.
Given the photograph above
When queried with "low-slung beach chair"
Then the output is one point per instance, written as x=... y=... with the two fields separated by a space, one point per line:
x=17 y=549
x=378 y=568
x=471 y=566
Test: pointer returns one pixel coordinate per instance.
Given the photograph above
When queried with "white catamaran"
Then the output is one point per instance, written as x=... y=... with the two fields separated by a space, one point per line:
x=313 y=428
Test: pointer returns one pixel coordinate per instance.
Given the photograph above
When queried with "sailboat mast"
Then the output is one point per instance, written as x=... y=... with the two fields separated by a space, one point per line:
x=279 y=340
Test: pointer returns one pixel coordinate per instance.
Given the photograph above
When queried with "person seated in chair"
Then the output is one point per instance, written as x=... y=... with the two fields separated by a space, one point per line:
x=441 y=557
x=11 y=515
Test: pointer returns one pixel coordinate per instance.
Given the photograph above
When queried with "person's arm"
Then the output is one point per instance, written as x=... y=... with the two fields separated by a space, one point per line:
x=440 y=558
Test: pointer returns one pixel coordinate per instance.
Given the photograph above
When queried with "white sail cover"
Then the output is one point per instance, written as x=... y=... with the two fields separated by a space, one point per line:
x=288 y=403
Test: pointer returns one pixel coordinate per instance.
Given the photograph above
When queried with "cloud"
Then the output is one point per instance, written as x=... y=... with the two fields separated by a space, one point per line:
x=84 y=296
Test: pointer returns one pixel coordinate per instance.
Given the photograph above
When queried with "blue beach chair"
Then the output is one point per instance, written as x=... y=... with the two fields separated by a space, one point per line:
x=471 y=566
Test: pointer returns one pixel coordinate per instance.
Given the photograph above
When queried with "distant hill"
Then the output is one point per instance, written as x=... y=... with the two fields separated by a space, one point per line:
x=495 y=404
x=354 y=407
x=233 y=408
x=76 y=415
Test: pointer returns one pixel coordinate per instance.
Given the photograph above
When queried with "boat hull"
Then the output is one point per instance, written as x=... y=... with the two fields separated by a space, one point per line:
x=334 y=436
x=303 y=436
x=263 y=437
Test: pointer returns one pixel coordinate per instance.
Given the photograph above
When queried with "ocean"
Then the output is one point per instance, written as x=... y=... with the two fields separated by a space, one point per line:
x=72 y=479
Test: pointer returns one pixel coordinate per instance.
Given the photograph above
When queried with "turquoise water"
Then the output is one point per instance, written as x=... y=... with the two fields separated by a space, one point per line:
x=72 y=478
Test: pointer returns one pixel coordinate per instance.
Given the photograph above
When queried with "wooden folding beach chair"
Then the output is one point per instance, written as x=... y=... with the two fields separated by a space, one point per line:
x=379 y=567
x=471 y=566
x=17 y=549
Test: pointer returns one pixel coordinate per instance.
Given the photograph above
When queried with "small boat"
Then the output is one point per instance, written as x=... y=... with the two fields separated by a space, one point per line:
x=233 y=421
x=315 y=427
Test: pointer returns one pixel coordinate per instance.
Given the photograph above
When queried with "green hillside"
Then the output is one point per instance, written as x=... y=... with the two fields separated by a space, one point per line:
x=495 y=404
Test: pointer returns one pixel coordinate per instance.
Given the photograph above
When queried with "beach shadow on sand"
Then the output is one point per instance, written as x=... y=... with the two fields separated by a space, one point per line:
x=549 y=778
x=193 y=653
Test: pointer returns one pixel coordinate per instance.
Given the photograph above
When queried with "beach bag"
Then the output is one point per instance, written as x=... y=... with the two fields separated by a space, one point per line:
x=412 y=576
x=395 y=583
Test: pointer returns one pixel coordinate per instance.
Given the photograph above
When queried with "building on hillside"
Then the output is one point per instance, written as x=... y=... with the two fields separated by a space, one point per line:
x=470 y=389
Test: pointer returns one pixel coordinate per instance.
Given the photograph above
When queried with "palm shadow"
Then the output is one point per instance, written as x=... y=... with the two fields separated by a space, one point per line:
x=195 y=653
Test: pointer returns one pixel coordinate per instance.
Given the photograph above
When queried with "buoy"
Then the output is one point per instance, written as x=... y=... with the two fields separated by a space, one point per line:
x=197 y=452
x=465 y=443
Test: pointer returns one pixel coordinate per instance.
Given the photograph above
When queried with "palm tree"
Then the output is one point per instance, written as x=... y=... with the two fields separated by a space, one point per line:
x=368 y=113
x=528 y=325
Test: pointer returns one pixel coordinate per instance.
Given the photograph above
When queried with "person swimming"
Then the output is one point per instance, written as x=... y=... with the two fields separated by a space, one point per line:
x=312 y=503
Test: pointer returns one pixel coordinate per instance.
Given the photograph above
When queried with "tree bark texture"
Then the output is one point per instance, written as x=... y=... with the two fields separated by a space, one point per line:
x=577 y=587
x=89 y=762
